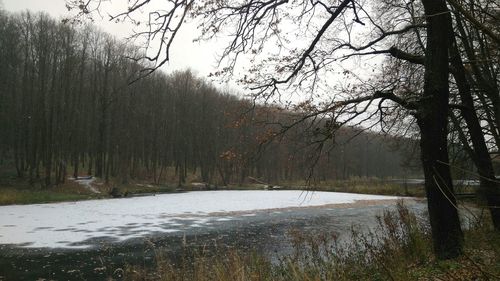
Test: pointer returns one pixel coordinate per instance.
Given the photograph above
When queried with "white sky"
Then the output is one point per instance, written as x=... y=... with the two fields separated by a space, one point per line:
x=200 y=57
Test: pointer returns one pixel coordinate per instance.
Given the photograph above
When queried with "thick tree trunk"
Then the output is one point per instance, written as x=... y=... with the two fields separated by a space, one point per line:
x=433 y=122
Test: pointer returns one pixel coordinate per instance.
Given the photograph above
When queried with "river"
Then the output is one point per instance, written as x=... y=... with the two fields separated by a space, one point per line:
x=91 y=239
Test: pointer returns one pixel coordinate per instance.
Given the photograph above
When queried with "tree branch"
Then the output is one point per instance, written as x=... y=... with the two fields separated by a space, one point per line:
x=474 y=21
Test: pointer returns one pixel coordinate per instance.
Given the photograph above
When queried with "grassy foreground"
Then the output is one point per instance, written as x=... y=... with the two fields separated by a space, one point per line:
x=398 y=250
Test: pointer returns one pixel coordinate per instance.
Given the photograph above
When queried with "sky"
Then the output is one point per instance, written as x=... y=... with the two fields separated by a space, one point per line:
x=198 y=56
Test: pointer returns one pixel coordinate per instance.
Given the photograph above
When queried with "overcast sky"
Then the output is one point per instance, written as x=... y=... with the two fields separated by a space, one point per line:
x=201 y=57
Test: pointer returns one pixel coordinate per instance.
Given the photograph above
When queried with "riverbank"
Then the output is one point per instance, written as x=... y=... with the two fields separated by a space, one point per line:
x=18 y=191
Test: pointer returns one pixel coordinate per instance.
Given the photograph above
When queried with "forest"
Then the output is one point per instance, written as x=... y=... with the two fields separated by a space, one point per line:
x=438 y=78
x=68 y=109
x=315 y=118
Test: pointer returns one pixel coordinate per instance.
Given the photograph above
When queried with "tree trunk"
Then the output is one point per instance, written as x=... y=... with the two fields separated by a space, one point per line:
x=490 y=188
x=433 y=122
x=76 y=163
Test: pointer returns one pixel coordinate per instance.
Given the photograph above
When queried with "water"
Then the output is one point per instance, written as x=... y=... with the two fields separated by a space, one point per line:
x=129 y=231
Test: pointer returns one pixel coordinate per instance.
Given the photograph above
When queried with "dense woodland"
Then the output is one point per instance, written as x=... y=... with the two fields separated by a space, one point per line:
x=67 y=109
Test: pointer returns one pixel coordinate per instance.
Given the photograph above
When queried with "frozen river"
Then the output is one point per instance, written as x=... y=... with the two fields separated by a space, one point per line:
x=64 y=241
x=81 y=224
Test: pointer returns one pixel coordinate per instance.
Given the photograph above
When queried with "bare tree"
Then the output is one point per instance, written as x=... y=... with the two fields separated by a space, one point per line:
x=253 y=24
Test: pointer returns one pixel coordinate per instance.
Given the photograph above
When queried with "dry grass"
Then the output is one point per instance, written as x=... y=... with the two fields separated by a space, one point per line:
x=361 y=185
x=19 y=191
x=10 y=196
x=399 y=249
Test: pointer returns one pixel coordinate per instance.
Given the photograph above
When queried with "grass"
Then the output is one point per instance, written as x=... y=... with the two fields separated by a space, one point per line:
x=20 y=192
x=14 y=190
x=365 y=186
x=10 y=196
x=399 y=249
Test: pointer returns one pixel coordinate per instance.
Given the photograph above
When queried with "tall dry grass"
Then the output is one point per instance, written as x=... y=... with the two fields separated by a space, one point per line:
x=398 y=249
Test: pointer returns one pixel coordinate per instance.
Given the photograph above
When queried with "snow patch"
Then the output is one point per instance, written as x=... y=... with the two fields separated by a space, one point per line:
x=87 y=183
x=86 y=223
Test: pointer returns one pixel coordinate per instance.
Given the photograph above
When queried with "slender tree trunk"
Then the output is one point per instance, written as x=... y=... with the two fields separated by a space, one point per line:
x=91 y=162
x=479 y=155
x=76 y=163
x=489 y=93
x=18 y=162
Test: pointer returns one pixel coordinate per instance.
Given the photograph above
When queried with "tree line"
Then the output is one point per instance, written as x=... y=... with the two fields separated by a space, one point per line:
x=67 y=109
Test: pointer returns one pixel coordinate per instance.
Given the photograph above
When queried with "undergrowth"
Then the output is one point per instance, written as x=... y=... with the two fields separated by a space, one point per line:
x=399 y=248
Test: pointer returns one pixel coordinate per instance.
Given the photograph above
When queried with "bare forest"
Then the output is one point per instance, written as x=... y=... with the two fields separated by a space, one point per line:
x=396 y=100
x=68 y=110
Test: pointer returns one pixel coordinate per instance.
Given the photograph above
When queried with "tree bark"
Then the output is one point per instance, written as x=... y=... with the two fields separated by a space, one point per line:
x=433 y=123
